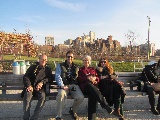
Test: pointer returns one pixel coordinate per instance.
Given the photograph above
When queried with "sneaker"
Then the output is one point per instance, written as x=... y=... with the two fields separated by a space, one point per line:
x=74 y=115
x=58 y=118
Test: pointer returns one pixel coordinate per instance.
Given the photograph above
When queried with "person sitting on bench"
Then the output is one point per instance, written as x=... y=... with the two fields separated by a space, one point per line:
x=35 y=80
x=65 y=76
x=149 y=77
x=111 y=88
x=88 y=82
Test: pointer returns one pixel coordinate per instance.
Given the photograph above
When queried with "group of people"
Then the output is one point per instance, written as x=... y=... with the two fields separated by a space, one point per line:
x=100 y=84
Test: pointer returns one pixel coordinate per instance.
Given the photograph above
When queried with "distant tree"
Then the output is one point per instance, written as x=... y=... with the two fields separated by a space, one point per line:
x=132 y=38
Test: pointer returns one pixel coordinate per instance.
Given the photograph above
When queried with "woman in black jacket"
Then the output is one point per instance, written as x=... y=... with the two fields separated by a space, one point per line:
x=110 y=87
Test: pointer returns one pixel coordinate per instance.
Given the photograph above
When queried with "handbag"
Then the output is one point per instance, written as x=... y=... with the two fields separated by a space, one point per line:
x=156 y=86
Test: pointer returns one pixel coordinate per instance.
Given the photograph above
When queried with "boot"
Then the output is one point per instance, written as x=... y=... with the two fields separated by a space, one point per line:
x=106 y=106
x=152 y=103
x=117 y=113
x=121 y=110
x=94 y=116
x=74 y=115
x=109 y=109
x=158 y=109
x=158 y=105
x=121 y=118
x=154 y=111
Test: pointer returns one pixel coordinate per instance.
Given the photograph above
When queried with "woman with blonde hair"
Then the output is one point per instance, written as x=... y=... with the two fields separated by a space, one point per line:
x=88 y=82
x=110 y=87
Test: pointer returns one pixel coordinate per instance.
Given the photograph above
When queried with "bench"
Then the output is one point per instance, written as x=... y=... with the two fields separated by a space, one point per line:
x=132 y=82
x=12 y=85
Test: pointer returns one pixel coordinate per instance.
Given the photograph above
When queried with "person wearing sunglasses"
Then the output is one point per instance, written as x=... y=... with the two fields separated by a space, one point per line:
x=88 y=82
x=110 y=87
x=35 y=80
x=65 y=76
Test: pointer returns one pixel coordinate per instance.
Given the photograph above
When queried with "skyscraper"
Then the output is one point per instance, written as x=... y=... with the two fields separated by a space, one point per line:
x=49 y=40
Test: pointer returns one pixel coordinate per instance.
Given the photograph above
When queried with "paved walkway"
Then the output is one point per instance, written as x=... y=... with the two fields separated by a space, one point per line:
x=135 y=108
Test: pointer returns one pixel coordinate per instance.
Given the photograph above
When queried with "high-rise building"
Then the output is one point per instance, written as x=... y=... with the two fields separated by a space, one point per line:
x=144 y=49
x=49 y=41
x=92 y=36
x=68 y=42
x=152 y=49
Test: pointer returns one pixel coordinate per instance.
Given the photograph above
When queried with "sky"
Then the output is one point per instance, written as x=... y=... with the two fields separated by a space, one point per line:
x=69 y=19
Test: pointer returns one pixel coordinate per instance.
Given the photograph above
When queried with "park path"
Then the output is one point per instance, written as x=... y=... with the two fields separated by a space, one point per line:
x=135 y=108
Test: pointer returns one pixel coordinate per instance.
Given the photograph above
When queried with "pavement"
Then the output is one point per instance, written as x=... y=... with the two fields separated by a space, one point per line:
x=135 y=108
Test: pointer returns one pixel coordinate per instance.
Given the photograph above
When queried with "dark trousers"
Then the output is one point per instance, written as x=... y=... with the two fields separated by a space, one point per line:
x=151 y=95
x=113 y=94
x=94 y=96
x=116 y=96
x=27 y=104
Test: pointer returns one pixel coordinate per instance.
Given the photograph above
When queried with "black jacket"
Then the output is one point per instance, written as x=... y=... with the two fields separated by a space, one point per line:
x=69 y=74
x=32 y=76
x=148 y=74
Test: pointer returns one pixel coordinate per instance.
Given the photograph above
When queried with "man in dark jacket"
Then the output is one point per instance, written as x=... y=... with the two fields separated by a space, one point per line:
x=35 y=80
x=149 y=77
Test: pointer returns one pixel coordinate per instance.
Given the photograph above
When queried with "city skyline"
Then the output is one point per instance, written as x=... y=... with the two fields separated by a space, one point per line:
x=68 y=19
